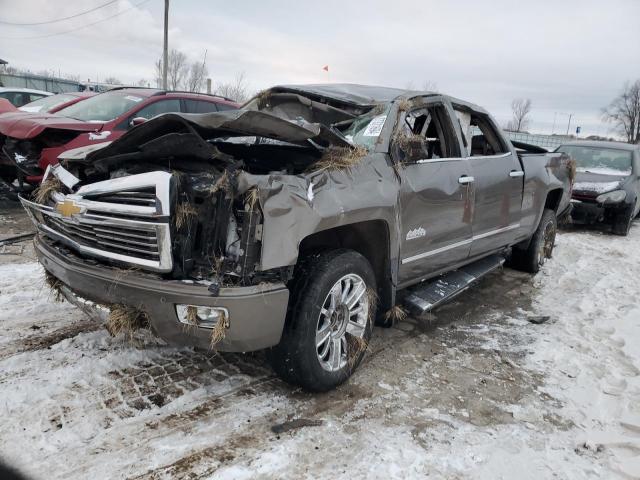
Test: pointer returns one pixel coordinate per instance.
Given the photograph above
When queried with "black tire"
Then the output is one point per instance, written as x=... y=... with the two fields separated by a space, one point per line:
x=540 y=247
x=296 y=358
x=622 y=223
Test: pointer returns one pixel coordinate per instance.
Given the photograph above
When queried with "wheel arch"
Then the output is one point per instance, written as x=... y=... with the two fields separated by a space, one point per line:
x=552 y=202
x=554 y=197
x=371 y=239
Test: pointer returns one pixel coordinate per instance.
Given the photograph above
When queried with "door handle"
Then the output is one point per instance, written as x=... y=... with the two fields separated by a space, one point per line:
x=516 y=173
x=465 y=180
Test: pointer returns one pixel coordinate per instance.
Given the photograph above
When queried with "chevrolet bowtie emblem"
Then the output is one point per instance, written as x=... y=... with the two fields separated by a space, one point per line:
x=67 y=208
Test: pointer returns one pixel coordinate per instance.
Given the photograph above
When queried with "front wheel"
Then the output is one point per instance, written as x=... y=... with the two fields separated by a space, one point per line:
x=329 y=321
x=622 y=223
x=540 y=247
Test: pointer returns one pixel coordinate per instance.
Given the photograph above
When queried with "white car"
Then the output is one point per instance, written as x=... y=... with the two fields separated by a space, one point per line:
x=21 y=96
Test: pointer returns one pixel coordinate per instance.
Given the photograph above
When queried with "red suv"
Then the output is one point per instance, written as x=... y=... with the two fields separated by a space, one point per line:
x=30 y=142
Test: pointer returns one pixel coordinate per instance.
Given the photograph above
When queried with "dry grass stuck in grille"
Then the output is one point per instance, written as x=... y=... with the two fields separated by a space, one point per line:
x=191 y=318
x=218 y=332
x=251 y=198
x=184 y=213
x=221 y=184
x=46 y=188
x=55 y=285
x=126 y=320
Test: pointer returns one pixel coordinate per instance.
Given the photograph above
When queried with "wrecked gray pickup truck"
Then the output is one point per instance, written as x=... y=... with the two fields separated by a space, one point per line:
x=288 y=224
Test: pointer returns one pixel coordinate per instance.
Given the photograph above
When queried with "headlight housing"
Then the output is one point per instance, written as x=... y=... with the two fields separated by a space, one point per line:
x=616 y=196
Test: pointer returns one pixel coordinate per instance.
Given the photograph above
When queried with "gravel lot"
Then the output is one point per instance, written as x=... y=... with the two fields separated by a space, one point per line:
x=474 y=391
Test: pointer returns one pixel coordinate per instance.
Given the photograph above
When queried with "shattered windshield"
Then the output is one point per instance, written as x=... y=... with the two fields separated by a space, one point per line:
x=366 y=129
x=603 y=161
x=103 y=107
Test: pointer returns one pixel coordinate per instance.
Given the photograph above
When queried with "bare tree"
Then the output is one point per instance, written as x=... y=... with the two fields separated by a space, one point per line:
x=158 y=73
x=177 y=70
x=198 y=72
x=142 y=83
x=237 y=90
x=520 y=107
x=429 y=86
x=624 y=112
x=112 y=81
x=410 y=85
x=71 y=76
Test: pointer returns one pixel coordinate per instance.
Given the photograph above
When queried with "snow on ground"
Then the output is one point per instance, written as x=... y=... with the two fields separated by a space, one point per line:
x=476 y=391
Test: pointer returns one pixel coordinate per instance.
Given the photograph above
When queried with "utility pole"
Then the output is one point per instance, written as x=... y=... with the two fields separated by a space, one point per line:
x=165 y=53
x=553 y=129
x=569 y=123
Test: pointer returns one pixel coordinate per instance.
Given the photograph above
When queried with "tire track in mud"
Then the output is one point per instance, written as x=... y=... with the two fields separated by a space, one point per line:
x=45 y=341
x=139 y=397
x=212 y=409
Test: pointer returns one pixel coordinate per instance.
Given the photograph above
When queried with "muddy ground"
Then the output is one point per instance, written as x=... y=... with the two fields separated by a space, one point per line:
x=475 y=390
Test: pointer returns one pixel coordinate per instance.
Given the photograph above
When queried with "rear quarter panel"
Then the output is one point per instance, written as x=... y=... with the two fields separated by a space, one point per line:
x=544 y=173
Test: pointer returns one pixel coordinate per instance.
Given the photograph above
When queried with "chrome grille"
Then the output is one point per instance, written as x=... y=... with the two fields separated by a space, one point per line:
x=143 y=198
x=122 y=241
x=124 y=219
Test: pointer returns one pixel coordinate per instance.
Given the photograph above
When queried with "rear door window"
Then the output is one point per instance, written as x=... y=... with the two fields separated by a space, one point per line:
x=199 y=106
x=480 y=135
x=158 y=108
x=223 y=106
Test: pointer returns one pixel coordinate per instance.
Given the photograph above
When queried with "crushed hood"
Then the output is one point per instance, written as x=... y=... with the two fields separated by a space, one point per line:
x=232 y=123
x=24 y=125
x=6 y=106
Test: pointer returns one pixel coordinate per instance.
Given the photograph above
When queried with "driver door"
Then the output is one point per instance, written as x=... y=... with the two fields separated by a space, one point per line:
x=436 y=193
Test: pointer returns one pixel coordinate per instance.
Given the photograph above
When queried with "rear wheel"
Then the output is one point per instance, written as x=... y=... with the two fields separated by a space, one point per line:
x=540 y=247
x=329 y=321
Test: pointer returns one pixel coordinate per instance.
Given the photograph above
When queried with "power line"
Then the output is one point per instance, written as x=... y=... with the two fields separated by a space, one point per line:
x=58 y=19
x=79 y=28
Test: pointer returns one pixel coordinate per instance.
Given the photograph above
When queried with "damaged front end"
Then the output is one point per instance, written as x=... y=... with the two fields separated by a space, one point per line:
x=186 y=201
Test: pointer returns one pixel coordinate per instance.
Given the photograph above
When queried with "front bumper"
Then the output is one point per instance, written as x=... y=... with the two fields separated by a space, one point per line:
x=592 y=212
x=256 y=314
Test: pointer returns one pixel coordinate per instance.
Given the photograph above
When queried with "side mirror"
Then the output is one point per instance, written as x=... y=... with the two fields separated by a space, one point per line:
x=137 y=121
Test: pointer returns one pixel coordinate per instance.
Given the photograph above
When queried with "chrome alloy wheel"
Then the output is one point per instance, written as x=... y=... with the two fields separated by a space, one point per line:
x=345 y=310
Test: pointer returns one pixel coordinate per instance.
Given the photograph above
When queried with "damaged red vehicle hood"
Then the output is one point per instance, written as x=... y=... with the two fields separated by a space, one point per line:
x=7 y=106
x=25 y=125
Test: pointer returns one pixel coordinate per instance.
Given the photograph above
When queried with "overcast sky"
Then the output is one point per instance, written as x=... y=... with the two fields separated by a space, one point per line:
x=567 y=56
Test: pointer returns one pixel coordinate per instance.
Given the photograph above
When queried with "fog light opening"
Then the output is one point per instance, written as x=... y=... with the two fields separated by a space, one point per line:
x=203 y=317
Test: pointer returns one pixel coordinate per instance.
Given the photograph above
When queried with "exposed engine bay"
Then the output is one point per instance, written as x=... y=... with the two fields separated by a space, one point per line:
x=217 y=164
